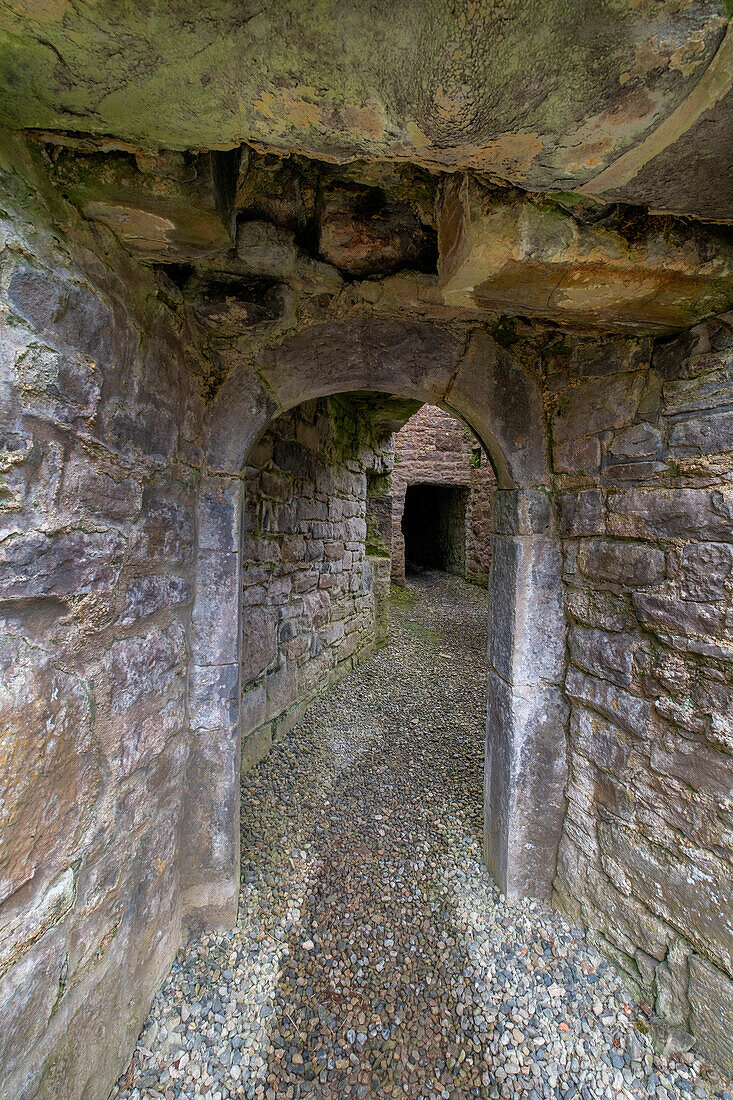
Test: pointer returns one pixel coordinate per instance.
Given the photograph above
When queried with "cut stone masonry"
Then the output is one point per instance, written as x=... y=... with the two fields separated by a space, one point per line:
x=218 y=299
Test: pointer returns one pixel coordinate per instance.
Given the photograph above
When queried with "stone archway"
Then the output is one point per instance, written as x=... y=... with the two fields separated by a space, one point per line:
x=525 y=763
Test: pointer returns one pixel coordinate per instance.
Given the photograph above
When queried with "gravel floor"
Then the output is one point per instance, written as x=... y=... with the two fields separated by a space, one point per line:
x=374 y=957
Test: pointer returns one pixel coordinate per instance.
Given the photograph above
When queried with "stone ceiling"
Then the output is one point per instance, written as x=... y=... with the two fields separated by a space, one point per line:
x=629 y=100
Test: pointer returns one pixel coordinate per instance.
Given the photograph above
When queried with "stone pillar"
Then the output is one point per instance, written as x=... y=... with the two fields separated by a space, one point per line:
x=525 y=766
x=210 y=828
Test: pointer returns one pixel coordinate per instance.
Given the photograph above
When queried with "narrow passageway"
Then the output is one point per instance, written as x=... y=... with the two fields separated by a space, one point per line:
x=373 y=956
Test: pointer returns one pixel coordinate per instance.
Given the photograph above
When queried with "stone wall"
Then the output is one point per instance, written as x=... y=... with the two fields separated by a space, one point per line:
x=643 y=442
x=127 y=423
x=437 y=449
x=98 y=416
x=313 y=591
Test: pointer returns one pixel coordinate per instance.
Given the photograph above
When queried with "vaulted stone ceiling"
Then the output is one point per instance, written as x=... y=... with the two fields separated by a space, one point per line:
x=627 y=100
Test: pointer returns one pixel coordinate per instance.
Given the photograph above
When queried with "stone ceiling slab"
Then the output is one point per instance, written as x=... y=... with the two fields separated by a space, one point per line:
x=547 y=96
x=528 y=257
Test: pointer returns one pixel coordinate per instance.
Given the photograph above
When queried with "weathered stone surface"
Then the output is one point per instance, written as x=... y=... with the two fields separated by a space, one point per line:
x=48 y=796
x=511 y=255
x=169 y=207
x=410 y=359
x=619 y=562
x=672 y=514
x=498 y=397
x=526 y=634
x=68 y=563
x=597 y=404
x=419 y=91
x=526 y=766
x=361 y=233
x=610 y=656
x=65 y=312
x=142 y=668
x=631 y=712
x=711 y=1008
x=146 y=595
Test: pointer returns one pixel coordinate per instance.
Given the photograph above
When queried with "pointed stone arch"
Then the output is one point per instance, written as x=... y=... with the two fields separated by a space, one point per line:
x=525 y=763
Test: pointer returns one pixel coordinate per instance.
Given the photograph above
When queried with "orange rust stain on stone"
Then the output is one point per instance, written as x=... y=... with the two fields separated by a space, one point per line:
x=368 y=121
x=596 y=140
x=43 y=11
x=511 y=154
x=289 y=107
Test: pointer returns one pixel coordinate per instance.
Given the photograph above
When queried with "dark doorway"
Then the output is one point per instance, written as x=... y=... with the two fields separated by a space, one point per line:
x=434 y=526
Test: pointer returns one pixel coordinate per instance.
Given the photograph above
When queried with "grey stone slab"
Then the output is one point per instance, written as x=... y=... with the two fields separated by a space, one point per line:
x=632 y=564
x=501 y=401
x=610 y=656
x=524 y=792
x=711 y=1011
x=631 y=712
x=526 y=627
x=213 y=701
x=663 y=513
x=582 y=513
x=522 y=512
x=215 y=616
x=218 y=513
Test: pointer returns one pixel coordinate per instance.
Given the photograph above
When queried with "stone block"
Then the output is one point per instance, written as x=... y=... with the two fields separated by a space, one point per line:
x=165 y=532
x=638 y=441
x=610 y=656
x=702 y=435
x=168 y=207
x=61 y=387
x=602 y=742
x=667 y=613
x=68 y=563
x=522 y=512
x=213 y=699
x=659 y=877
x=597 y=405
x=707 y=389
x=525 y=776
x=526 y=627
x=619 y=562
x=600 y=609
x=49 y=796
x=694 y=514
x=256 y=746
x=145 y=667
x=215 y=615
x=506 y=253
x=632 y=713
x=577 y=456
x=89 y=491
x=259 y=643
x=252 y=708
x=67 y=313
x=703 y=570
x=711 y=1011
x=582 y=513
x=147 y=595
x=282 y=689
x=218 y=513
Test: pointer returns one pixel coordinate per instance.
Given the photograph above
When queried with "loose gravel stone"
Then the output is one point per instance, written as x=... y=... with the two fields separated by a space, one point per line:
x=373 y=955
